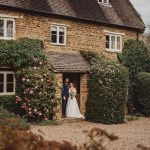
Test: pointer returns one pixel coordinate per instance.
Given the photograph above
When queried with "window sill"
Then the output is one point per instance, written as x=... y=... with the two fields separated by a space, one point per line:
x=7 y=94
x=3 y=38
x=113 y=51
x=57 y=44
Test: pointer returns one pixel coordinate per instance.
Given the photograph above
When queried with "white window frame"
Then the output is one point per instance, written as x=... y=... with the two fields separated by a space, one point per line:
x=5 y=28
x=65 y=34
x=103 y=3
x=5 y=83
x=110 y=42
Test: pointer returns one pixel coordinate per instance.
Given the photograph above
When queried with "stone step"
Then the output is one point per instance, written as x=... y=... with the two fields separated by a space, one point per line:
x=71 y=120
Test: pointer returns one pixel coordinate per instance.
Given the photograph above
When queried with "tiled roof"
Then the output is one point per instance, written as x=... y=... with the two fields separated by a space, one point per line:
x=68 y=61
x=121 y=13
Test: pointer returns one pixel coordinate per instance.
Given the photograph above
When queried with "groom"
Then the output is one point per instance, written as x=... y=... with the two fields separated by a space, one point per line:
x=65 y=96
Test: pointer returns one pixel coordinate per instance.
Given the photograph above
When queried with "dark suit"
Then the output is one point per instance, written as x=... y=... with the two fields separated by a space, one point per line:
x=65 y=93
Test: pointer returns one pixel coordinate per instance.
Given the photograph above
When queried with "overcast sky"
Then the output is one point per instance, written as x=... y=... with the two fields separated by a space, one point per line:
x=143 y=7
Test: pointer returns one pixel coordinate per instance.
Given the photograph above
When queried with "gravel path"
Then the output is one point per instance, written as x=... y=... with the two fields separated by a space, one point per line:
x=130 y=134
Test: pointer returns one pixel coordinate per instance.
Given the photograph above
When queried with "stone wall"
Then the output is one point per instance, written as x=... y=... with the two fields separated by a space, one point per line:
x=83 y=91
x=80 y=36
x=58 y=110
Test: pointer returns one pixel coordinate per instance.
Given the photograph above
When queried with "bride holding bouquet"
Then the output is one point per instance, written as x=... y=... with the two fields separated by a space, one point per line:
x=72 y=110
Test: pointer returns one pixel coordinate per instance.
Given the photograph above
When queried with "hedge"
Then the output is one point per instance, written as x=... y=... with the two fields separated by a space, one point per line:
x=35 y=89
x=108 y=90
x=144 y=92
x=135 y=57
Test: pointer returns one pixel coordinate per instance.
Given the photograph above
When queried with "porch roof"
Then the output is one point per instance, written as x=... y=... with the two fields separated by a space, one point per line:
x=68 y=61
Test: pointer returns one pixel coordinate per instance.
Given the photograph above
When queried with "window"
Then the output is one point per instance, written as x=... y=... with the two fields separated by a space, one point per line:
x=58 y=35
x=105 y=2
x=7 y=83
x=7 y=29
x=113 y=42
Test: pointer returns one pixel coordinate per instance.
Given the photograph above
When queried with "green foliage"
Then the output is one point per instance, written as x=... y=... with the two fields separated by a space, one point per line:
x=144 y=92
x=8 y=102
x=11 y=120
x=21 y=53
x=4 y=114
x=108 y=88
x=135 y=57
x=38 y=87
x=33 y=74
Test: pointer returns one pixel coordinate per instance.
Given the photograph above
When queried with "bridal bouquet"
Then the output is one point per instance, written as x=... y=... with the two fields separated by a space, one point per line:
x=72 y=94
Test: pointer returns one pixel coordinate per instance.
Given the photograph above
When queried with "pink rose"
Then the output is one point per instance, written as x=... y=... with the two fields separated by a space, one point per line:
x=28 y=80
x=23 y=79
x=35 y=110
x=18 y=99
x=31 y=92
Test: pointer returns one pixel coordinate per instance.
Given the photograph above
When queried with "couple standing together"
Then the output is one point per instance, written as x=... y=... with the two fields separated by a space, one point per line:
x=70 y=108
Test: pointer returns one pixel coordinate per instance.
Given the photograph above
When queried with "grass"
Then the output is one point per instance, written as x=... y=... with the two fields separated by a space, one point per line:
x=48 y=123
x=131 y=118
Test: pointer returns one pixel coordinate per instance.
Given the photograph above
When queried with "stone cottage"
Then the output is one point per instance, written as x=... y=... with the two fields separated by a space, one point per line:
x=67 y=27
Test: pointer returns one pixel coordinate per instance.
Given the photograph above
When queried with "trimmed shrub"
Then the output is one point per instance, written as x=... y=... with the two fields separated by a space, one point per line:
x=144 y=92
x=33 y=74
x=4 y=114
x=135 y=57
x=108 y=90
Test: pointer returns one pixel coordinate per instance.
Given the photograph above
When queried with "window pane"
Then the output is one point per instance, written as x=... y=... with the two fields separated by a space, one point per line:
x=61 y=39
x=54 y=29
x=10 y=77
x=1 y=88
x=9 y=28
x=61 y=31
x=107 y=41
x=1 y=78
x=118 y=43
x=1 y=28
x=112 y=42
x=54 y=38
x=10 y=87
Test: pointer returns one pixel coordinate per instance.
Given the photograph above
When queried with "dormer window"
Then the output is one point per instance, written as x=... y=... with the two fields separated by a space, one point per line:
x=104 y=2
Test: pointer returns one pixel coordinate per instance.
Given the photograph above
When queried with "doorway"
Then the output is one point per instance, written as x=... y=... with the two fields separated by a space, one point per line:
x=75 y=79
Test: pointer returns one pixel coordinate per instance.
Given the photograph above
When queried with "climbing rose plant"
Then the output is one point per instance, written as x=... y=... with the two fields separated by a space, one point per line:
x=35 y=80
x=37 y=92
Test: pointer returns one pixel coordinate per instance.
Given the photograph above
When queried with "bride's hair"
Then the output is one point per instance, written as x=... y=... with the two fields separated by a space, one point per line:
x=71 y=84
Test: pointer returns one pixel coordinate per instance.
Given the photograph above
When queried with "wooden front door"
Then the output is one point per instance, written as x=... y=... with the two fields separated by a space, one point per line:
x=75 y=79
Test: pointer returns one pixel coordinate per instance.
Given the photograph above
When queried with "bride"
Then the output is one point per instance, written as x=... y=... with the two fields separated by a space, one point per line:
x=72 y=109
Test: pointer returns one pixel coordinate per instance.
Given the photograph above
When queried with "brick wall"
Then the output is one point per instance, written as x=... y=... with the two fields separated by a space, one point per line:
x=80 y=36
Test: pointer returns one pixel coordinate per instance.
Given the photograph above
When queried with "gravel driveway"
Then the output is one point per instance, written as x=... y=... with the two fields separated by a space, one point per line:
x=130 y=134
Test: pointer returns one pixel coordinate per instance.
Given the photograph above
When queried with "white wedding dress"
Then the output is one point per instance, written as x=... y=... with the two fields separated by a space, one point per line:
x=72 y=109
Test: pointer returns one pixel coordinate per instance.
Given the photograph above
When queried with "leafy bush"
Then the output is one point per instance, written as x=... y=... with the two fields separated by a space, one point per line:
x=144 y=92
x=4 y=114
x=11 y=120
x=135 y=57
x=38 y=87
x=8 y=102
x=35 y=95
x=108 y=90
x=21 y=53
